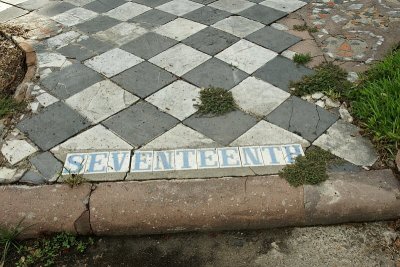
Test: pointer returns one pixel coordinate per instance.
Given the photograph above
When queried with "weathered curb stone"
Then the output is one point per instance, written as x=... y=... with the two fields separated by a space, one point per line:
x=195 y=205
x=353 y=197
x=43 y=209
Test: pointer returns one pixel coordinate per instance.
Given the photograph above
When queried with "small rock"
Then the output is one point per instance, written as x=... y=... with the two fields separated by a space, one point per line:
x=352 y=77
x=34 y=106
x=317 y=95
x=8 y=175
x=320 y=103
x=307 y=98
x=332 y=104
x=345 y=114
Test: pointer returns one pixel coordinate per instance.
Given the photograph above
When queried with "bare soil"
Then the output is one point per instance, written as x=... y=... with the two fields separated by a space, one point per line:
x=12 y=61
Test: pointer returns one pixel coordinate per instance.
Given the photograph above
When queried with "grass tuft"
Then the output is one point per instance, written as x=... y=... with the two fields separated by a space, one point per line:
x=8 y=238
x=328 y=78
x=302 y=58
x=216 y=101
x=74 y=179
x=376 y=104
x=9 y=106
x=308 y=169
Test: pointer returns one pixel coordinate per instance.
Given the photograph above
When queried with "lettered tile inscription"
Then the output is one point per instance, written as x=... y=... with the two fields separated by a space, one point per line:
x=180 y=159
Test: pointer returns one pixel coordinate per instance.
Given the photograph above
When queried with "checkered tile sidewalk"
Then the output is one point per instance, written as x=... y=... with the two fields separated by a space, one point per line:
x=126 y=75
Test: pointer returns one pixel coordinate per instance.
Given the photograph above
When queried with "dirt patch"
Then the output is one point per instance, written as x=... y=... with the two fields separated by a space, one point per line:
x=12 y=65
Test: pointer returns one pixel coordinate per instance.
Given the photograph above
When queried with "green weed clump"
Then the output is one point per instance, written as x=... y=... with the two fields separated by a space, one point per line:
x=302 y=58
x=216 y=101
x=308 y=169
x=304 y=27
x=328 y=78
x=376 y=104
x=9 y=106
x=44 y=252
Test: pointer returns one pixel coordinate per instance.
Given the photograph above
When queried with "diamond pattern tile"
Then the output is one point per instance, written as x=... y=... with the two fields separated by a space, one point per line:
x=180 y=29
x=273 y=39
x=149 y=45
x=286 y=6
x=64 y=123
x=127 y=11
x=302 y=118
x=121 y=33
x=223 y=129
x=263 y=14
x=153 y=18
x=140 y=80
x=179 y=7
x=246 y=56
x=179 y=59
x=281 y=71
x=211 y=41
x=207 y=15
x=232 y=6
x=215 y=73
x=238 y=26
x=113 y=62
x=146 y=122
x=177 y=99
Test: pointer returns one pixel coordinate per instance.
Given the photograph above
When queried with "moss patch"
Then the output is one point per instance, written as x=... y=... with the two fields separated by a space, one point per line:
x=304 y=27
x=309 y=169
x=216 y=101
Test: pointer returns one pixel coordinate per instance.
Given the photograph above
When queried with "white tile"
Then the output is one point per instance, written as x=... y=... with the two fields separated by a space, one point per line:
x=74 y=16
x=229 y=157
x=179 y=7
x=246 y=56
x=142 y=161
x=79 y=2
x=46 y=99
x=180 y=29
x=177 y=99
x=251 y=156
x=4 y=6
x=74 y=163
x=180 y=59
x=164 y=160
x=16 y=150
x=265 y=133
x=272 y=155
x=258 y=97
x=344 y=140
x=207 y=158
x=285 y=6
x=101 y=100
x=113 y=62
x=121 y=33
x=97 y=138
x=180 y=136
x=62 y=39
x=96 y=162
x=231 y=6
x=127 y=11
x=14 y=2
x=290 y=152
x=185 y=159
x=238 y=26
x=118 y=161
x=51 y=60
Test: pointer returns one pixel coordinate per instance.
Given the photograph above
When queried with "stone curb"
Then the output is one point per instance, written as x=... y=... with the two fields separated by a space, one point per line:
x=169 y=206
x=22 y=93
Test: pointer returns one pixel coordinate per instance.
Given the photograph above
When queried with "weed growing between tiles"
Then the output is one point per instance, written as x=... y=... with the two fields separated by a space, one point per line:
x=305 y=27
x=329 y=79
x=74 y=179
x=8 y=106
x=302 y=58
x=309 y=169
x=376 y=104
x=216 y=101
